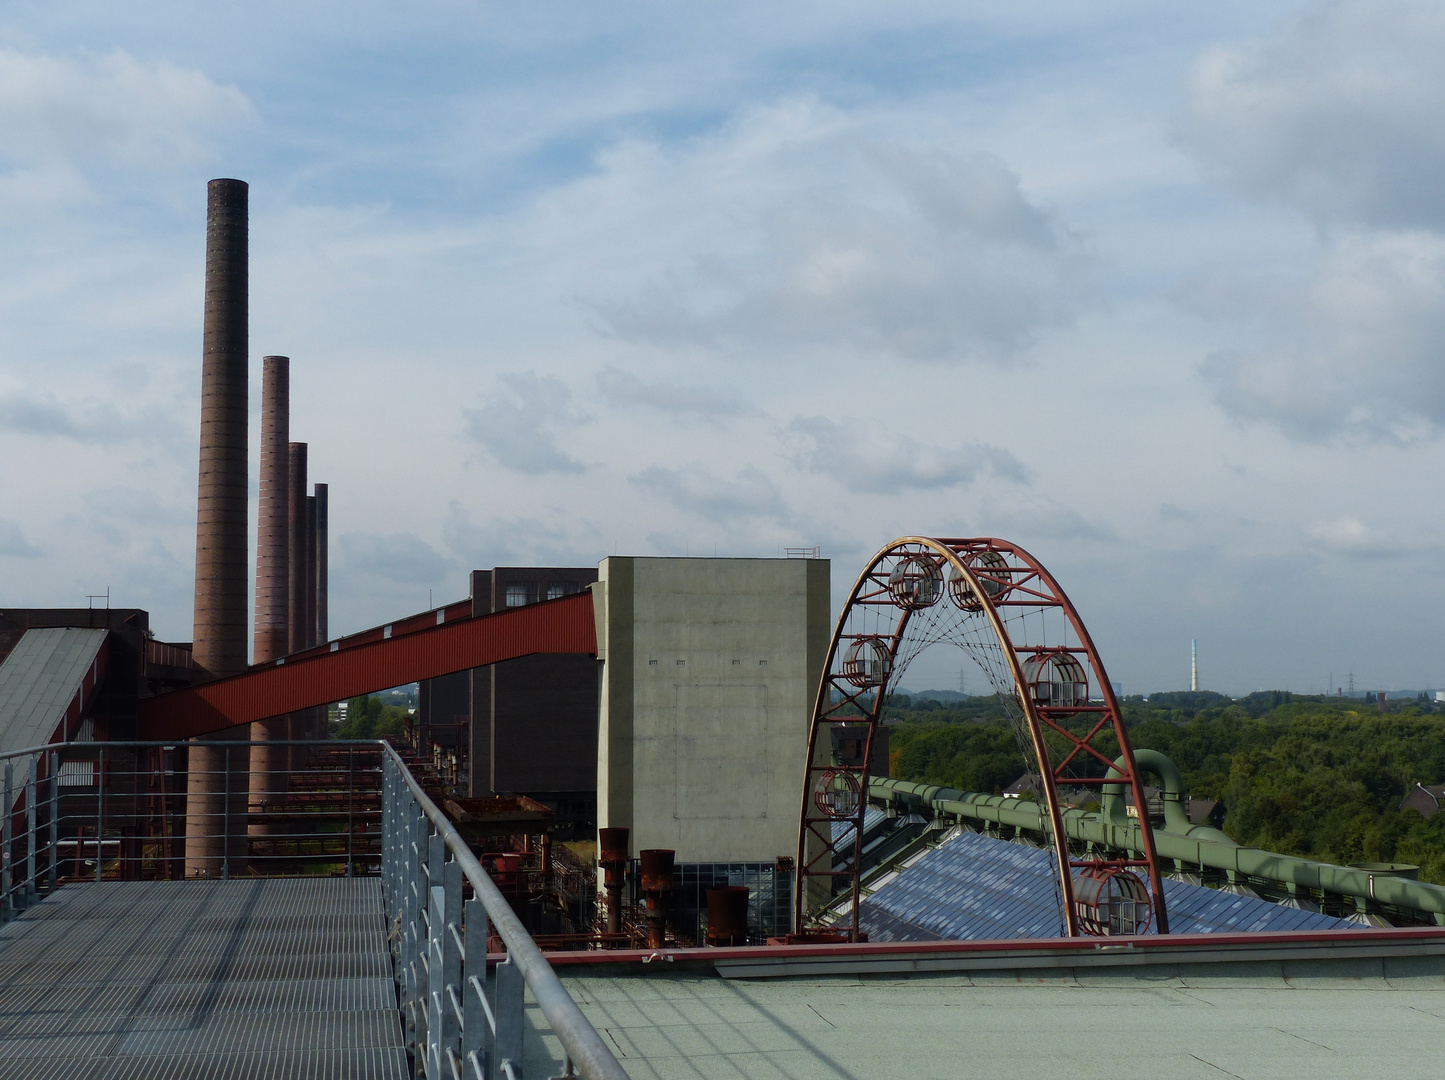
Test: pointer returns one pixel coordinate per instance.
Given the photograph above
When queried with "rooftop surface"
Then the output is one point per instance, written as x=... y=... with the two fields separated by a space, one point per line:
x=289 y=978
x=202 y=980
x=1235 y=1021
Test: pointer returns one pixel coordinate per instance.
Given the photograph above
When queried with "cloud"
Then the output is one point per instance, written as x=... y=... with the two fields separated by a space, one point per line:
x=1357 y=350
x=13 y=542
x=111 y=109
x=520 y=428
x=1336 y=113
x=862 y=458
x=1349 y=536
x=27 y=412
x=696 y=491
x=515 y=542
x=625 y=390
x=394 y=557
x=831 y=237
x=1043 y=519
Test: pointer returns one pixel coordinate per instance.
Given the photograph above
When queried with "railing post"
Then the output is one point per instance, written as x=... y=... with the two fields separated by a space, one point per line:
x=477 y=1034
x=432 y=989
x=7 y=904
x=350 y=802
x=448 y=1036
x=100 y=817
x=388 y=893
x=32 y=871
x=415 y=886
x=226 y=819
x=492 y=1024
x=54 y=818
x=509 y=1009
x=435 y=991
x=398 y=829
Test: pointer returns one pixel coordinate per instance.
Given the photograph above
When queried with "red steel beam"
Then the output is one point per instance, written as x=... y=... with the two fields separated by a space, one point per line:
x=378 y=662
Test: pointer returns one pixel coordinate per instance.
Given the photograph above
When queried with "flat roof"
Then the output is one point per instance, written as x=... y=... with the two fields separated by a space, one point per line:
x=1242 y=1020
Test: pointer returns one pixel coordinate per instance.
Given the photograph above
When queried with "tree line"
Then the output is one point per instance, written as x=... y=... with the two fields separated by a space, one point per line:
x=1316 y=777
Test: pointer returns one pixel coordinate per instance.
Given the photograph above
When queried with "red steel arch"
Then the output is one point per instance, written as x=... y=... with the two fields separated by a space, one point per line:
x=997 y=602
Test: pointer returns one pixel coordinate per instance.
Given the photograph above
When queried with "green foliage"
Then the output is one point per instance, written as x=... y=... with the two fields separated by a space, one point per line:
x=368 y=718
x=1317 y=777
x=971 y=757
x=898 y=707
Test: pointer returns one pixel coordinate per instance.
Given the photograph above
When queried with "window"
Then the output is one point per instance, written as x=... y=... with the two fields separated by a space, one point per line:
x=652 y=663
x=517 y=595
x=556 y=592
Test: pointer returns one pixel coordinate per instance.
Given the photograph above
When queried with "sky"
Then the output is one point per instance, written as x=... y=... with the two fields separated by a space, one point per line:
x=1156 y=292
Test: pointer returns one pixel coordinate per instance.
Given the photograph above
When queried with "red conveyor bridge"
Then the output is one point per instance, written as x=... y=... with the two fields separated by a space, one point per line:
x=424 y=646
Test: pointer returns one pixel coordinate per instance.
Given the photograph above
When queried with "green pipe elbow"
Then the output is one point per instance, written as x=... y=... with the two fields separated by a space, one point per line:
x=1171 y=785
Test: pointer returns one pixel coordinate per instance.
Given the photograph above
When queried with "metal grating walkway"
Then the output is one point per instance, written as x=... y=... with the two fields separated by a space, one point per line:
x=261 y=979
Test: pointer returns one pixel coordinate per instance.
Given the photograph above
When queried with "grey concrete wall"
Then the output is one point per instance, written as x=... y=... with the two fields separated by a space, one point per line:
x=710 y=671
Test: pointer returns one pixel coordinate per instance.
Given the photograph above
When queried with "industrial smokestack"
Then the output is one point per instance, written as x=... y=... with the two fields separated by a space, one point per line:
x=272 y=631
x=297 y=638
x=323 y=569
x=311 y=638
x=221 y=541
x=1193 y=665
x=319 y=571
x=314 y=716
x=219 y=633
x=273 y=628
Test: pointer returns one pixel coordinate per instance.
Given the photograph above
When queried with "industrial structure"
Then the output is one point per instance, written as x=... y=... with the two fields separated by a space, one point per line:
x=527 y=726
x=196 y=880
x=998 y=604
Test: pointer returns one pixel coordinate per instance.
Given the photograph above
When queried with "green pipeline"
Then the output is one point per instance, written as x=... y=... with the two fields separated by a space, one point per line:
x=1188 y=845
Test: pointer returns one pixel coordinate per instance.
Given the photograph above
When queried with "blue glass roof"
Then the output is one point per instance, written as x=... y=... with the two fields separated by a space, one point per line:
x=975 y=887
x=872 y=818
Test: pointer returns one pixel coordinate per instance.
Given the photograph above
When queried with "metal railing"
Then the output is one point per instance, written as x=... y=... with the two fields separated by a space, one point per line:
x=461 y=1023
x=122 y=810
x=128 y=811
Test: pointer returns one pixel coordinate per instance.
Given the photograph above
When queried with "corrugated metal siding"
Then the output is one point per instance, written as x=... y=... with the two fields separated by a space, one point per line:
x=557 y=626
x=978 y=888
x=39 y=680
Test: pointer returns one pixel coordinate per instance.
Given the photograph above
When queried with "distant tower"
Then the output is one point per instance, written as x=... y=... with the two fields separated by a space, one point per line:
x=1193 y=664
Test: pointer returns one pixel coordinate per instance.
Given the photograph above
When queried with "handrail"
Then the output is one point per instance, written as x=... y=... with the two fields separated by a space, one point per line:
x=55 y=823
x=581 y=1042
x=423 y=862
x=151 y=744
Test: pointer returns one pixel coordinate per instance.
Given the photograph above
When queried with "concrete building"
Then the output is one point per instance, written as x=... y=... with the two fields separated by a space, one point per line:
x=710 y=668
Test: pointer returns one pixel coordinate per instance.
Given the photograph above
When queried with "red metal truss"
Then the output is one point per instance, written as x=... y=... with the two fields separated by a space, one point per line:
x=1061 y=688
x=422 y=647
